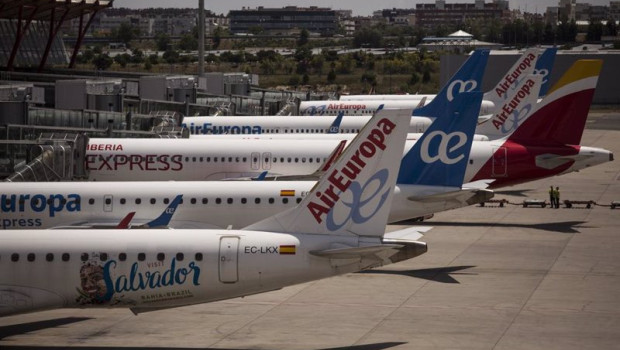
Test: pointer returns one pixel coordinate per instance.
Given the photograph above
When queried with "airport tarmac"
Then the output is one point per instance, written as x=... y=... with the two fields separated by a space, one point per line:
x=493 y=278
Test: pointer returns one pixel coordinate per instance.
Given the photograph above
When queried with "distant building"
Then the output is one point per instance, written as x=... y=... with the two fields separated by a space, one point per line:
x=289 y=19
x=459 y=41
x=431 y=15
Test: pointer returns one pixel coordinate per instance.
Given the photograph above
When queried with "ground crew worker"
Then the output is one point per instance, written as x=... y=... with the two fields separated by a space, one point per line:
x=556 y=194
x=551 y=197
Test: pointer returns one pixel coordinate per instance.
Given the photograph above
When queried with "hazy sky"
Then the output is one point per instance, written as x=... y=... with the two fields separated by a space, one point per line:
x=362 y=8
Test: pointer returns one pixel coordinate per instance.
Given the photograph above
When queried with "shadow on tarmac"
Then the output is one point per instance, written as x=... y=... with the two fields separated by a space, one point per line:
x=375 y=346
x=17 y=329
x=561 y=227
x=437 y=274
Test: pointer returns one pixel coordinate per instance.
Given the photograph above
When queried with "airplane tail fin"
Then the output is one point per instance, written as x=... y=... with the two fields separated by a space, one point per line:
x=440 y=156
x=335 y=127
x=544 y=65
x=124 y=223
x=164 y=219
x=561 y=116
x=467 y=78
x=524 y=66
x=519 y=105
x=354 y=195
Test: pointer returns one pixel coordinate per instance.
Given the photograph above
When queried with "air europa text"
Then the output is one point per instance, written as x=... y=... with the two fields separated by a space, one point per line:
x=340 y=179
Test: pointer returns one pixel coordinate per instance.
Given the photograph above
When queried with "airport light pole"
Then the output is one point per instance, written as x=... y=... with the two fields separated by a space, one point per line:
x=201 y=38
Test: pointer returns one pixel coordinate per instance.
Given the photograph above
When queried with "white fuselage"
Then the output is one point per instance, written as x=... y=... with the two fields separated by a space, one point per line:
x=207 y=204
x=367 y=107
x=154 y=269
x=286 y=125
x=208 y=159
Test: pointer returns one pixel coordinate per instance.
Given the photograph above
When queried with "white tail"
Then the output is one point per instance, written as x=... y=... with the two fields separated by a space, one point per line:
x=523 y=67
x=355 y=193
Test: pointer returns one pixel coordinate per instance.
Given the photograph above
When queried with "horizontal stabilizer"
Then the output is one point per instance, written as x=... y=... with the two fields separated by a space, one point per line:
x=413 y=233
x=355 y=252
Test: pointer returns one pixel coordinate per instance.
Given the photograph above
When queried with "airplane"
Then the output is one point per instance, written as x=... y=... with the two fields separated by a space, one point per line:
x=467 y=77
x=546 y=144
x=153 y=269
x=220 y=204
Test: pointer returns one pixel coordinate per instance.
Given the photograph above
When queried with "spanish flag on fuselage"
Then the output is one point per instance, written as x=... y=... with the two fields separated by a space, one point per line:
x=288 y=250
x=287 y=193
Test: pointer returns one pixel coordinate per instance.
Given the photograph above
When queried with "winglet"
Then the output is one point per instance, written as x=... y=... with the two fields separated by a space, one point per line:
x=467 y=78
x=440 y=156
x=335 y=127
x=164 y=219
x=261 y=176
x=124 y=223
x=354 y=196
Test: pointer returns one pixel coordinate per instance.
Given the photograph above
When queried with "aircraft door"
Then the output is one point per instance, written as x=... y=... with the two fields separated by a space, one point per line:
x=228 y=262
x=266 y=160
x=255 y=159
x=500 y=163
x=108 y=200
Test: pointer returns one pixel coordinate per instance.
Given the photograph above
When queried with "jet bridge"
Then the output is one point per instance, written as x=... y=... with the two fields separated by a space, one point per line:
x=53 y=157
x=291 y=107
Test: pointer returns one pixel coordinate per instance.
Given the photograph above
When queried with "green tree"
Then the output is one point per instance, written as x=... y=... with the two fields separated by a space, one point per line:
x=217 y=37
x=187 y=43
x=171 y=56
x=125 y=33
x=426 y=77
x=303 y=38
x=102 y=62
x=122 y=59
x=367 y=37
x=331 y=77
x=162 y=41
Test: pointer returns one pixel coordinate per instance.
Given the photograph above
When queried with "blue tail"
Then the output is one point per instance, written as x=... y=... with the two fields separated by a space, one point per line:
x=335 y=127
x=468 y=78
x=440 y=156
x=544 y=65
x=164 y=219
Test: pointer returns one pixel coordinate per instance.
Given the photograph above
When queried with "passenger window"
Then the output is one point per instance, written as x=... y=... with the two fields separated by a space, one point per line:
x=201 y=159
x=218 y=200
x=230 y=159
x=303 y=160
x=141 y=256
x=194 y=159
x=198 y=257
x=122 y=256
x=193 y=201
x=205 y=201
x=187 y=159
x=180 y=257
x=138 y=201
x=288 y=159
x=91 y=201
x=108 y=201
x=208 y=159
x=14 y=257
x=296 y=160
x=271 y=200
x=245 y=159
x=166 y=200
x=257 y=200
x=229 y=201
x=153 y=201
x=223 y=159
x=284 y=200
x=161 y=256
x=49 y=257
x=244 y=200
x=298 y=200
x=123 y=200
x=84 y=257
x=65 y=257
x=103 y=256
x=214 y=159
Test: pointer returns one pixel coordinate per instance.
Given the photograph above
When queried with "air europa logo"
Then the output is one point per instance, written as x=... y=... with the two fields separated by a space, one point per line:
x=443 y=152
x=209 y=128
x=511 y=107
x=513 y=77
x=345 y=106
x=341 y=179
x=38 y=203
x=463 y=86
